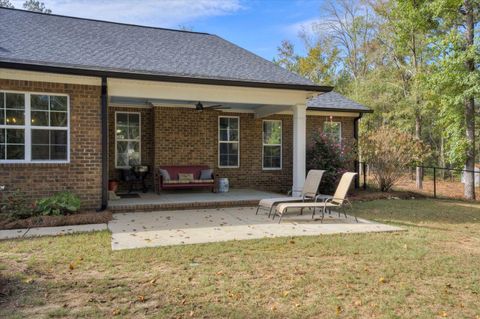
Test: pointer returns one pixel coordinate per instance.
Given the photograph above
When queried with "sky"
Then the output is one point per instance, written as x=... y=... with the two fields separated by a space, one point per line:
x=256 y=25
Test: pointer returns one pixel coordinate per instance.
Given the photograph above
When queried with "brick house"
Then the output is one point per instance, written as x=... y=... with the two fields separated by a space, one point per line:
x=80 y=99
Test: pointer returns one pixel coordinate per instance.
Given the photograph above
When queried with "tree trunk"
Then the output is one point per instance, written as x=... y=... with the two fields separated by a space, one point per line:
x=469 y=111
x=419 y=170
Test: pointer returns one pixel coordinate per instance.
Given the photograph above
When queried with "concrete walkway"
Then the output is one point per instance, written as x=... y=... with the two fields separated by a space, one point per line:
x=50 y=231
x=165 y=228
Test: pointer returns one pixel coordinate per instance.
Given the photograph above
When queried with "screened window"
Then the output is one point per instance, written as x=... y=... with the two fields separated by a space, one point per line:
x=228 y=141
x=272 y=144
x=128 y=140
x=333 y=130
x=33 y=127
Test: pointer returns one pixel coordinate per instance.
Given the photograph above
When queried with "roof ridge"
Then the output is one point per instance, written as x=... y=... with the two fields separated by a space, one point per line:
x=106 y=21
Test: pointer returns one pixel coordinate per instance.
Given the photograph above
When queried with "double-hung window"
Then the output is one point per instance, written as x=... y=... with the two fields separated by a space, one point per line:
x=127 y=139
x=333 y=130
x=34 y=127
x=228 y=141
x=272 y=144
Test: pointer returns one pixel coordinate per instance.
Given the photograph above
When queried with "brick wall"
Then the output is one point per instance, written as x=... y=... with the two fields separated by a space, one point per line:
x=83 y=174
x=186 y=137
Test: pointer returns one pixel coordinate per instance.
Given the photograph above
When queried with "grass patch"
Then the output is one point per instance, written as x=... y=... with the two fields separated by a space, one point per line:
x=430 y=271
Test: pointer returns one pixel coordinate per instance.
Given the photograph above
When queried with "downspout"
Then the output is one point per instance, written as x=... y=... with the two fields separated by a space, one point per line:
x=357 y=163
x=104 y=120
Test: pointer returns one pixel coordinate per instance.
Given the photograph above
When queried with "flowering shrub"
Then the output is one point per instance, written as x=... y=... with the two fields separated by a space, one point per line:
x=326 y=153
x=389 y=152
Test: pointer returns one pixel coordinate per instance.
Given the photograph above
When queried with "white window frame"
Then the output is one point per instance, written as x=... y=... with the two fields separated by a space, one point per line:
x=229 y=142
x=28 y=127
x=263 y=147
x=129 y=140
x=341 y=133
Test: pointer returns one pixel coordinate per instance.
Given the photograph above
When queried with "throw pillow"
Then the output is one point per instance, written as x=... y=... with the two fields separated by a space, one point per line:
x=206 y=174
x=165 y=174
x=185 y=177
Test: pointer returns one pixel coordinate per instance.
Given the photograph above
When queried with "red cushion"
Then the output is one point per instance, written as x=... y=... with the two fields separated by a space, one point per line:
x=174 y=170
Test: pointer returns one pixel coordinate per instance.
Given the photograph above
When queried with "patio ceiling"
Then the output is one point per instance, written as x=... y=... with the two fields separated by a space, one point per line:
x=260 y=110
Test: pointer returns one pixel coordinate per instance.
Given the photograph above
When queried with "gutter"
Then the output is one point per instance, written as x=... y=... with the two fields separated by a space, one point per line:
x=326 y=109
x=357 y=162
x=163 y=78
x=104 y=130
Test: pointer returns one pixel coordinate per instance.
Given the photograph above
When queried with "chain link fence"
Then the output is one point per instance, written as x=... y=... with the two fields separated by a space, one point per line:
x=436 y=182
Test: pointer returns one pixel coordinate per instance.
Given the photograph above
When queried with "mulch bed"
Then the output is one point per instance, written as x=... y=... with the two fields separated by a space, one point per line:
x=82 y=218
x=369 y=195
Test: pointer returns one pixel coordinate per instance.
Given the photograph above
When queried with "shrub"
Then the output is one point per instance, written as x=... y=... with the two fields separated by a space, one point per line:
x=15 y=205
x=335 y=158
x=62 y=203
x=389 y=152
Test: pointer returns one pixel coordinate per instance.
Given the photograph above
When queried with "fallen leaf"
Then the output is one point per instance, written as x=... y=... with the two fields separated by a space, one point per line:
x=141 y=298
x=358 y=303
x=71 y=266
x=443 y=314
x=115 y=312
x=285 y=293
x=339 y=310
x=382 y=280
x=153 y=281
x=191 y=313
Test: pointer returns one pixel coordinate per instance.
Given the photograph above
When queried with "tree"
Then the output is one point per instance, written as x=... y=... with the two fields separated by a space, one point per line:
x=6 y=4
x=457 y=78
x=389 y=153
x=36 y=6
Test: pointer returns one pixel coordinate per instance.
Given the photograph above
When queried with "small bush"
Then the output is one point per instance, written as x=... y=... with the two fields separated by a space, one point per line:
x=15 y=205
x=62 y=203
x=389 y=152
x=335 y=158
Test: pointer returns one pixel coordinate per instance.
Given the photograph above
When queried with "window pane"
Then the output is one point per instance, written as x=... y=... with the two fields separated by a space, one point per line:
x=223 y=135
x=233 y=160
x=233 y=123
x=133 y=132
x=122 y=147
x=272 y=156
x=2 y=100
x=223 y=160
x=15 y=117
x=122 y=119
x=2 y=117
x=2 y=111
x=272 y=132
x=2 y=136
x=15 y=152
x=122 y=160
x=15 y=136
x=233 y=135
x=58 y=119
x=133 y=119
x=40 y=137
x=223 y=123
x=58 y=137
x=39 y=118
x=58 y=103
x=2 y=152
x=15 y=101
x=40 y=152
x=122 y=132
x=39 y=102
x=58 y=152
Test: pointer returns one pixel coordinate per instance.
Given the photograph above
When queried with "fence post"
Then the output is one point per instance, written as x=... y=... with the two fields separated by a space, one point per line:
x=364 y=176
x=434 y=182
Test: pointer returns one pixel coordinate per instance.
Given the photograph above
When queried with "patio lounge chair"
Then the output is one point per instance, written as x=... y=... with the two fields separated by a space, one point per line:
x=309 y=192
x=338 y=200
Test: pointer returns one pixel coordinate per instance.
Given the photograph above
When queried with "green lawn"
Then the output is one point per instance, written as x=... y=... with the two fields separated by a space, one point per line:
x=432 y=270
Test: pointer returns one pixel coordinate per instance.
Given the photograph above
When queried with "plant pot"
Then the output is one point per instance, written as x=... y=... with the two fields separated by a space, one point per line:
x=113 y=185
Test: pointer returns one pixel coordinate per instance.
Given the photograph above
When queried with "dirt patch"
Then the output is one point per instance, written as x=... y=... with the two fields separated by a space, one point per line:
x=52 y=221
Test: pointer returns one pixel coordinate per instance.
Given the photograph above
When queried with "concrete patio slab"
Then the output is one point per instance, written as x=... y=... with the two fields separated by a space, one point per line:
x=165 y=228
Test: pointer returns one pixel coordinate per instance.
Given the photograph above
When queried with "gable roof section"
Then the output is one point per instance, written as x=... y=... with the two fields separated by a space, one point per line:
x=35 y=39
x=333 y=101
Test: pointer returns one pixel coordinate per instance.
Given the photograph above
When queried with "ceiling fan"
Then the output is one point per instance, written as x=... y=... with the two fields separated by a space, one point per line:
x=199 y=107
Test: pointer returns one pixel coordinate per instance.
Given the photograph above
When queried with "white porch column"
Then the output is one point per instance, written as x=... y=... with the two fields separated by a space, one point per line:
x=299 y=147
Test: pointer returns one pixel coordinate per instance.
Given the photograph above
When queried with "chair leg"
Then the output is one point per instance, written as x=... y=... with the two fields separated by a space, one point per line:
x=323 y=214
x=313 y=213
x=258 y=207
x=344 y=212
x=270 y=212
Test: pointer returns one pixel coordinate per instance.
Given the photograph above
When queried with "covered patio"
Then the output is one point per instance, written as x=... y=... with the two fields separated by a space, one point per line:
x=181 y=199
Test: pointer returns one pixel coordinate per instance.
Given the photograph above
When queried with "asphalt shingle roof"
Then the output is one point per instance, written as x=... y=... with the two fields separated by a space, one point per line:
x=332 y=101
x=59 y=41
